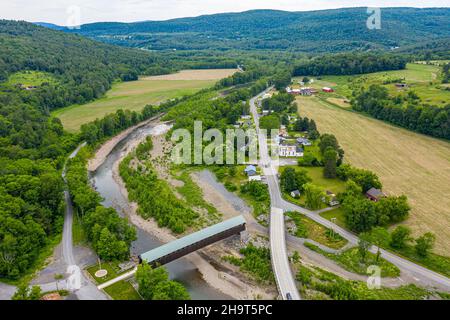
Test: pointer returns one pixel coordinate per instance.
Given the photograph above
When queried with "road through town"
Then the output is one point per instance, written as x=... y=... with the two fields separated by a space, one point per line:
x=409 y=270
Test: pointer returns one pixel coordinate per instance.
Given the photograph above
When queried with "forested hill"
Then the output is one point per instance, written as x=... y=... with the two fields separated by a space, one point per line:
x=70 y=58
x=42 y=69
x=313 y=31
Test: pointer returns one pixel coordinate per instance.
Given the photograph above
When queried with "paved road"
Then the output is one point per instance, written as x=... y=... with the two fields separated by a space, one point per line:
x=87 y=290
x=283 y=274
x=410 y=270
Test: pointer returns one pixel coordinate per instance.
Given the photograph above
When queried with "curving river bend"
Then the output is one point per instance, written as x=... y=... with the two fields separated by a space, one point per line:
x=181 y=269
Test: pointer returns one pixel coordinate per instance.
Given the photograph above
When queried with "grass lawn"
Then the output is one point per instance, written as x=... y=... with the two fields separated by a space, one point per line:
x=337 y=213
x=111 y=267
x=79 y=236
x=406 y=162
x=307 y=228
x=31 y=78
x=134 y=95
x=122 y=290
x=316 y=174
x=351 y=261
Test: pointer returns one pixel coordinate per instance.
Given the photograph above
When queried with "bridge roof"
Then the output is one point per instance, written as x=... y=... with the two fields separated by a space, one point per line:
x=195 y=237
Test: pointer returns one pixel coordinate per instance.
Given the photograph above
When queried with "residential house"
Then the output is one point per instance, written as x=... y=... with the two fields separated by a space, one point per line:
x=374 y=194
x=287 y=150
x=331 y=199
x=250 y=170
x=304 y=142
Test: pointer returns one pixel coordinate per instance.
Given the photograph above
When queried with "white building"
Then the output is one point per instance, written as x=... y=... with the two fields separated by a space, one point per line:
x=290 y=151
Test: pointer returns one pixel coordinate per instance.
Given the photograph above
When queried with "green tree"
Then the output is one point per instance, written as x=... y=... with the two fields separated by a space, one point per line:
x=352 y=189
x=154 y=284
x=270 y=122
x=314 y=196
x=424 y=244
x=109 y=248
x=363 y=249
x=329 y=159
x=301 y=178
x=393 y=209
x=170 y=290
x=360 y=214
x=288 y=180
x=26 y=293
x=400 y=237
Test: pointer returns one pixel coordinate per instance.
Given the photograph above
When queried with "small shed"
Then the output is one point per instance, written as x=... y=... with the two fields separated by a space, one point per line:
x=295 y=194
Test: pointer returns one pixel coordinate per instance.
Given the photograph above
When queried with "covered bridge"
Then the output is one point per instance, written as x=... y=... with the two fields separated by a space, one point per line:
x=193 y=242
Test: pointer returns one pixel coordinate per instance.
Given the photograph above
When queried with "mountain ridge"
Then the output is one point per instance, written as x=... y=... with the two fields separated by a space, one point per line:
x=333 y=30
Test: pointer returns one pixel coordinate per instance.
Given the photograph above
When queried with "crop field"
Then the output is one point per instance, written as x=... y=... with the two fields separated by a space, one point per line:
x=407 y=163
x=135 y=95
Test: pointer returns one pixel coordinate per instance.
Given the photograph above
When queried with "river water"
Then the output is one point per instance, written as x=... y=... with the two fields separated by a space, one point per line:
x=181 y=270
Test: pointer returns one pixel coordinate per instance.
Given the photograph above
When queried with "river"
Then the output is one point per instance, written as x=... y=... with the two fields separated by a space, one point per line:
x=181 y=270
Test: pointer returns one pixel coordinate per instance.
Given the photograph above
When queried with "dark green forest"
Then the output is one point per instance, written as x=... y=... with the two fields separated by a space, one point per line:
x=33 y=146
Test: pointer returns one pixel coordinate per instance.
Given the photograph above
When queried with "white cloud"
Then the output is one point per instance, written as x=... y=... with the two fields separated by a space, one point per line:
x=55 y=11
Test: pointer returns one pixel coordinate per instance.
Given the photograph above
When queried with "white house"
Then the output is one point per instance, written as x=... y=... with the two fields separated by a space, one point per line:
x=290 y=151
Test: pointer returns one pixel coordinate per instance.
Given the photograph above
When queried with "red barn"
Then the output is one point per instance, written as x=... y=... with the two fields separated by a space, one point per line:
x=326 y=89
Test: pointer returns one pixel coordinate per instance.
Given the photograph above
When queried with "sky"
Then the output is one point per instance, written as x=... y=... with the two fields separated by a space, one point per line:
x=76 y=12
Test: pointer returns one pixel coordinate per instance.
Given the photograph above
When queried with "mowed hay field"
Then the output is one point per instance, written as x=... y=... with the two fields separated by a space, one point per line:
x=407 y=163
x=135 y=95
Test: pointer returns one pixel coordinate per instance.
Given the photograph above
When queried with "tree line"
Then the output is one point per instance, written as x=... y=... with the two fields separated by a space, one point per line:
x=406 y=111
x=349 y=63
x=109 y=234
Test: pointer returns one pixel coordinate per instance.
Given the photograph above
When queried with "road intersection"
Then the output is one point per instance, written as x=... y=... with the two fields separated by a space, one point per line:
x=421 y=275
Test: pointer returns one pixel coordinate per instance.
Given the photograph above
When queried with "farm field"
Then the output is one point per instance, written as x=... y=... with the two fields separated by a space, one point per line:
x=421 y=78
x=135 y=95
x=407 y=163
